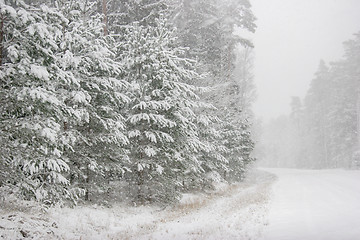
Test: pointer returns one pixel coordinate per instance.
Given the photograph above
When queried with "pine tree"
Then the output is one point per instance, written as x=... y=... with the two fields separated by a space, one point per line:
x=34 y=111
x=344 y=114
x=127 y=12
x=242 y=90
x=207 y=28
x=161 y=120
x=324 y=130
x=237 y=139
x=63 y=103
x=100 y=98
x=317 y=107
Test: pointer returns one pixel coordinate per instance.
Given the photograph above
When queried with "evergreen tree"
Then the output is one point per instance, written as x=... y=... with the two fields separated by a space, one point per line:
x=324 y=130
x=33 y=112
x=83 y=103
x=161 y=127
x=345 y=97
x=317 y=108
x=242 y=88
x=207 y=28
x=62 y=115
x=100 y=150
x=237 y=139
x=127 y=12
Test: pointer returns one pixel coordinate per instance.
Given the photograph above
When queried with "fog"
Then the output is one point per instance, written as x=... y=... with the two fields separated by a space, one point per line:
x=307 y=83
x=291 y=38
x=136 y=119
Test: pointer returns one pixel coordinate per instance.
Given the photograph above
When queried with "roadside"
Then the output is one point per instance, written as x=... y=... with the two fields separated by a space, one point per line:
x=236 y=211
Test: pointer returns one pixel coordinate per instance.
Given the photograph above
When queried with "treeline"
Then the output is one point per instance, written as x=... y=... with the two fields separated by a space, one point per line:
x=323 y=128
x=97 y=92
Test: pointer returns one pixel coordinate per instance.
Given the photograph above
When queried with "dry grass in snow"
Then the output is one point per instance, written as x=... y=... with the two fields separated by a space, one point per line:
x=231 y=212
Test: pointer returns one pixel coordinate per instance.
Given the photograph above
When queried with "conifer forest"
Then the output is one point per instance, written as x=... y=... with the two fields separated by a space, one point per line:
x=96 y=92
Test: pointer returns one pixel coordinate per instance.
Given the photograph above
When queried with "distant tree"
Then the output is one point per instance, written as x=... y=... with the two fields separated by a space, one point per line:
x=317 y=107
x=324 y=129
x=207 y=28
x=345 y=74
x=296 y=111
x=277 y=139
x=331 y=109
x=244 y=81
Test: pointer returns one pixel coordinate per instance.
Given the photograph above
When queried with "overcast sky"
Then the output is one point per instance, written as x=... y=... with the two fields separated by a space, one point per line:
x=291 y=38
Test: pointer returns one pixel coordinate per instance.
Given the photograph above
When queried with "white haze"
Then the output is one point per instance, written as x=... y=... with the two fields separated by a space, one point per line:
x=291 y=38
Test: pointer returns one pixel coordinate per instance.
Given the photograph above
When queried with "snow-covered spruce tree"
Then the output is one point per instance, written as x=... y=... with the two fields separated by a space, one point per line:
x=33 y=110
x=161 y=120
x=207 y=28
x=99 y=99
x=239 y=145
x=228 y=147
x=62 y=102
x=144 y=12
x=211 y=156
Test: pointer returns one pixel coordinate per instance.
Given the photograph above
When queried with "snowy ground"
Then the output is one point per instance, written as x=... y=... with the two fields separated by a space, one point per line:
x=301 y=204
x=314 y=205
x=232 y=212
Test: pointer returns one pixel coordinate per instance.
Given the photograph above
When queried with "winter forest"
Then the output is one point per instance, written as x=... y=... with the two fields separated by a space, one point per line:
x=322 y=130
x=91 y=96
x=134 y=119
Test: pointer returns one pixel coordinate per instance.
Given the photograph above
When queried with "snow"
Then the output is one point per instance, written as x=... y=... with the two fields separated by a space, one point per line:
x=237 y=214
x=230 y=212
x=302 y=204
x=7 y=9
x=39 y=93
x=150 y=152
x=57 y=152
x=315 y=204
x=159 y=169
x=81 y=97
x=151 y=136
x=134 y=133
x=40 y=72
x=50 y=134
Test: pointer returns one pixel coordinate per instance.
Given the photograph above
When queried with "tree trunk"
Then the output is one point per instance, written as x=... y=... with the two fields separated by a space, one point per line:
x=87 y=184
x=358 y=121
x=140 y=183
x=104 y=11
x=1 y=38
x=325 y=158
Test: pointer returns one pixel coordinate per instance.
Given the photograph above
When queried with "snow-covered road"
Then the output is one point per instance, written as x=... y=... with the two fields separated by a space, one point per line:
x=314 y=205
